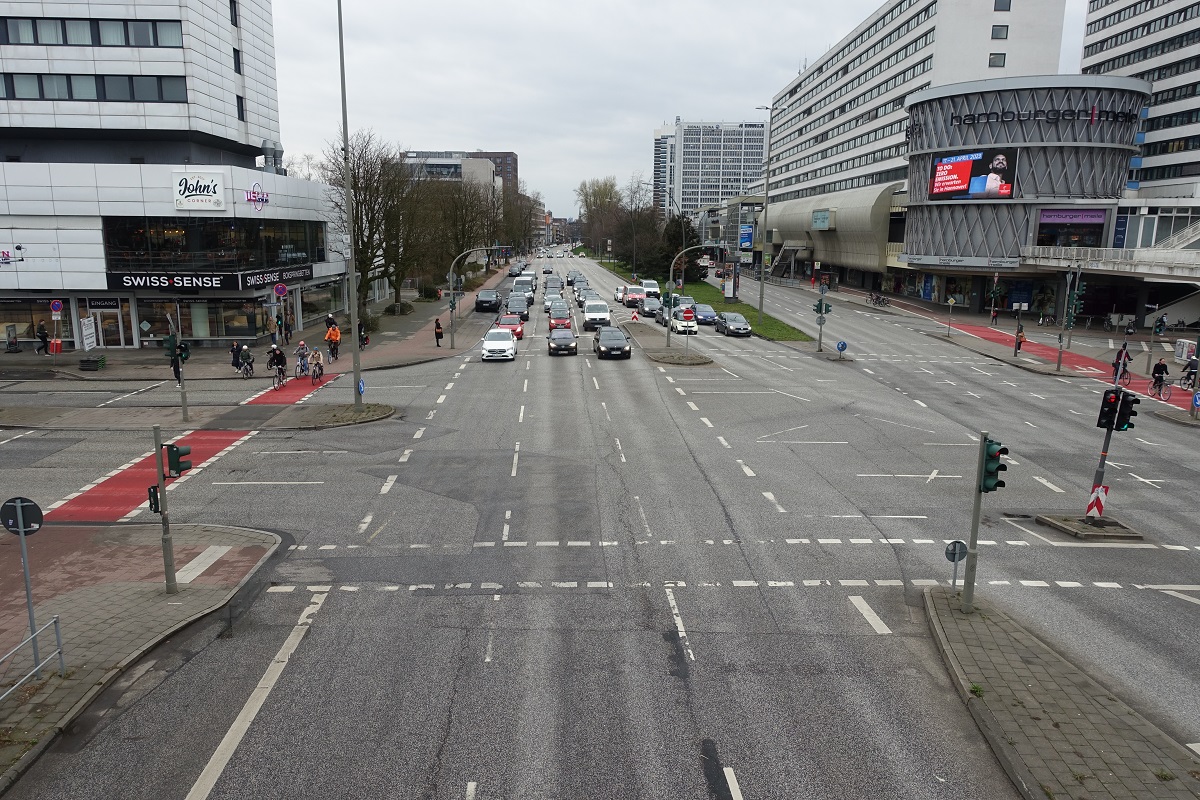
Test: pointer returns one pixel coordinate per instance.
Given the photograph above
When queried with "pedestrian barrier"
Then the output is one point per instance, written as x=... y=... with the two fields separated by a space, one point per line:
x=37 y=668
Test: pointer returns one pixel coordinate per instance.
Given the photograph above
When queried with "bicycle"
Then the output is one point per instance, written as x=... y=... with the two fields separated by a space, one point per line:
x=1108 y=325
x=301 y=367
x=1047 y=319
x=333 y=352
x=318 y=372
x=1126 y=377
x=1160 y=389
x=247 y=369
x=1186 y=381
x=280 y=377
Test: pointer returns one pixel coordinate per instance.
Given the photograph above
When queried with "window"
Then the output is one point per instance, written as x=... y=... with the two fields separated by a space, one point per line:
x=116 y=88
x=241 y=108
x=996 y=60
x=20 y=31
x=233 y=13
x=174 y=90
x=237 y=61
x=170 y=34
x=1004 y=5
x=54 y=87
x=79 y=31
x=999 y=31
x=112 y=33
x=145 y=89
x=83 y=87
x=141 y=34
x=49 y=31
x=25 y=87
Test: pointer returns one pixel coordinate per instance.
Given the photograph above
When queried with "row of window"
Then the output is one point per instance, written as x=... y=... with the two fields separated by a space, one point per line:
x=1189 y=117
x=895 y=58
x=1168 y=171
x=1149 y=51
x=1185 y=92
x=1129 y=12
x=1181 y=67
x=1153 y=26
x=95 y=88
x=841 y=147
x=92 y=32
x=1171 y=146
x=1096 y=5
x=886 y=154
x=886 y=176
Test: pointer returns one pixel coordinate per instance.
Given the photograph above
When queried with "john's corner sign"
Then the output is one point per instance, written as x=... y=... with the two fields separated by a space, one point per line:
x=199 y=191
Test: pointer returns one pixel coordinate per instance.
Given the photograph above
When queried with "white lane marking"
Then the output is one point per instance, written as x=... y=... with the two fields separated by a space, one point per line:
x=1047 y=484
x=693 y=406
x=605 y=407
x=706 y=422
x=516 y=455
x=487 y=655
x=204 y=784
x=525 y=388
x=430 y=414
x=683 y=637
x=682 y=393
x=1030 y=424
x=471 y=790
x=1152 y=444
x=724 y=443
x=449 y=386
x=366 y=522
x=770 y=496
x=595 y=382
x=922 y=405
x=869 y=614
x=869 y=372
x=405 y=455
x=265 y=483
x=735 y=791
x=620 y=450
x=131 y=394
x=521 y=416
x=387 y=485
x=1182 y=596
x=441 y=399
x=642 y=512
x=197 y=565
x=725 y=371
x=1090 y=545
x=749 y=472
x=18 y=436
x=290 y=452
x=793 y=396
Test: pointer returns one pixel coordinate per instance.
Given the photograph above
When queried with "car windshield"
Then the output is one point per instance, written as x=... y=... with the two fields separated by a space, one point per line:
x=612 y=336
x=595 y=308
x=517 y=301
x=734 y=318
x=652 y=303
x=705 y=309
x=562 y=333
x=498 y=336
x=488 y=293
x=509 y=319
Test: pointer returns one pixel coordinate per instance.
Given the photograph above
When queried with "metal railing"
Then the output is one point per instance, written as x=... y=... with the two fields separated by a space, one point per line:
x=1119 y=256
x=36 y=672
x=1178 y=239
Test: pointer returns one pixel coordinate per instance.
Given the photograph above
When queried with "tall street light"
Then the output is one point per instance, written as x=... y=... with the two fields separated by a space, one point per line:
x=762 y=274
x=351 y=274
x=682 y=247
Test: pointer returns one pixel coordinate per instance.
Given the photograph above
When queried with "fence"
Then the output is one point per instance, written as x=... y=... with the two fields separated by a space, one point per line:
x=37 y=668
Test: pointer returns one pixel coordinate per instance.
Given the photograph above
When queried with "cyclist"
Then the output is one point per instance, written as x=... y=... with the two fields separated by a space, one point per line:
x=1121 y=362
x=246 y=358
x=277 y=360
x=333 y=335
x=330 y=322
x=1160 y=373
x=315 y=361
x=302 y=353
x=1189 y=372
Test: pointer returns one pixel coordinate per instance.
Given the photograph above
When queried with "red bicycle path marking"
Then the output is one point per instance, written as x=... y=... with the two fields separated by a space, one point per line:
x=113 y=498
x=295 y=389
x=1086 y=364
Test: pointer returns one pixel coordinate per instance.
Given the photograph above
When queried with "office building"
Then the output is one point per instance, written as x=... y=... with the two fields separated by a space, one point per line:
x=506 y=168
x=701 y=163
x=454 y=165
x=664 y=169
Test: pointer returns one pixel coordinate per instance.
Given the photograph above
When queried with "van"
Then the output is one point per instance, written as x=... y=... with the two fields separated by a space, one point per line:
x=651 y=288
x=525 y=285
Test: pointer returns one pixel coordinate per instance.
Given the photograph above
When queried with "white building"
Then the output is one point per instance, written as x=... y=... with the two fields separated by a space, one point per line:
x=130 y=187
x=456 y=165
x=701 y=163
x=1157 y=41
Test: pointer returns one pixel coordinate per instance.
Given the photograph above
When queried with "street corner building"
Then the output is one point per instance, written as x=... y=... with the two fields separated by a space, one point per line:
x=142 y=176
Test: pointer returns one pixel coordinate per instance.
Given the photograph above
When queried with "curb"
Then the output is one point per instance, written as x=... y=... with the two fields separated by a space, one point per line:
x=14 y=773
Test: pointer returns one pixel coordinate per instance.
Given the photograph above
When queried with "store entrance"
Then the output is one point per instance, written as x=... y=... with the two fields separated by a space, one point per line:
x=110 y=330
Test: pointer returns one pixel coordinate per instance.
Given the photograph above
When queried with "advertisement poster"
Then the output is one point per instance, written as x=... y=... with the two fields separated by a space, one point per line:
x=975 y=175
x=87 y=326
x=745 y=237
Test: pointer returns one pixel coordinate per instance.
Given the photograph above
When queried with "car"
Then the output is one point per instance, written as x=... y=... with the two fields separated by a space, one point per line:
x=705 y=315
x=571 y=276
x=619 y=294
x=681 y=301
x=681 y=325
x=498 y=345
x=560 y=318
x=517 y=305
x=586 y=296
x=651 y=288
x=554 y=283
x=548 y=300
x=514 y=270
x=633 y=296
x=547 y=269
x=662 y=315
x=579 y=285
x=511 y=322
x=611 y=342
x=487 y=300
x=562 y=340
x=595 y=315
x=720 y=273
x=562 y=304
x=649 y=306
x=731 y=323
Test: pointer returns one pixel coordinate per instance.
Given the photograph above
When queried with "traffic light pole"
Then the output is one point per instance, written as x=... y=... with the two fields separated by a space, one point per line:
x=973 y=540
x=168 y=545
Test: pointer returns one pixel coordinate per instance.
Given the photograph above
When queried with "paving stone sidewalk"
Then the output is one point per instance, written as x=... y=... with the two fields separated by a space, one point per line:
x=105 y=583
x=1058 y=733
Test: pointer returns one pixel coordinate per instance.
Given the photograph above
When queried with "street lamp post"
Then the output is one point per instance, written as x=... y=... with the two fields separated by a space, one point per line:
x=351 y=274
x=682 y=269
x=453 y=282
x=762 y=276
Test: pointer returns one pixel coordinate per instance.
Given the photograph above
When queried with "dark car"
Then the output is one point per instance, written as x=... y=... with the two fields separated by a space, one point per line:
x=554 y=282
x=547 y=269
x=731 y=324
x=705 y=315
x=518 y=305
x=514 y=270
x=487 y=300
x=611 y=343
x=571 y=276
x=649 y=306
x=562 y=340
x=662 y=315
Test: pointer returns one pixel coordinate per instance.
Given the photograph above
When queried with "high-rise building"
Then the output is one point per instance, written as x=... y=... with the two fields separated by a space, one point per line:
x=1157 y=41
x=506 y=167
x=130 y=186
x=701 y=163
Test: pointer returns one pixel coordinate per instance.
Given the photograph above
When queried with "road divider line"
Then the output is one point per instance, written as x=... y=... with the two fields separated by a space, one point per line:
x=521 y=416
x=682 y=631
x=419 y=433
x=869 y=614
x=366 y=522
x=595 y=382
x=749 y=472
x=525 y=388
x=682 y=393
x=516 y=456
x=642 y=512
x=441 y=399
x=735 y=790
x=724 y=443
x=706 y=422
x=405 y=455
x=620 y=450
x=387 y=485
x=693 y=406
x=1048 y=484
x=771 y=497
x=1182 y=596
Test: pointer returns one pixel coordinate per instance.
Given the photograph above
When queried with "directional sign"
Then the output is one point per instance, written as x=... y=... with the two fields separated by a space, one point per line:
x=841 y=346
x=956 y=551
x=362 y=386
x=821 y=319
x=1196 y=400
x=31 y=516
x=56 y=306
x=280 y=290
x=688 y=314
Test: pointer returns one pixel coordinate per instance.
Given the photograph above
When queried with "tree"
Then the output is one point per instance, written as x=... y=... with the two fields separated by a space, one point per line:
x=600 y=205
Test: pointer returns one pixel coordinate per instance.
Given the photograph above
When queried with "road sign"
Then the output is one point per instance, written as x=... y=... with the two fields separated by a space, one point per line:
x=956 y=550
x=55 y=316
x=635 y=316
x=950 y=301
x=1196 y=400
x=824 y=288
x=688 y=314
x=1095 y=506
x=841 y=346
x=362 y=386
x=31 y=515
x=821 y=319
x=56 y=306
x=280 y=290
x=451 y=277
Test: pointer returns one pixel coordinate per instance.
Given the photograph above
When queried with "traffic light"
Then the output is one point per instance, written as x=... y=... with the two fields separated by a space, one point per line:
x=1109 y=405
x=176 y=466
x=826 y=308
x=152 y=491
x=169 y=343
x=185 y=351
x=452 y=303
x=1128 y=401
x=989 y=479
x=1159 y=327
x=817 y=307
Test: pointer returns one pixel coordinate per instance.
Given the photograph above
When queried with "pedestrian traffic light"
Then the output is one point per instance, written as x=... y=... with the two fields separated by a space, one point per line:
x=1159 y=327
x=826 y=308
x=1109 y=405
x=1128 y=401
x=175 y=465
x=152 y=491
x=169 y=343
x=989 y=479
x=185 y=351
x=817 y=307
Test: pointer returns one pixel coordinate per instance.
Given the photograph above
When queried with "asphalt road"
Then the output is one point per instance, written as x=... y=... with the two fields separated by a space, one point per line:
x=564 y=577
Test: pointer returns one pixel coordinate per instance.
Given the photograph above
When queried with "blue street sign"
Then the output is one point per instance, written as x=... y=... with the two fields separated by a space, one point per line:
x=841 y=347
x=56 y=306
x=362 y=386
x=1196 y=400
x=280 y=290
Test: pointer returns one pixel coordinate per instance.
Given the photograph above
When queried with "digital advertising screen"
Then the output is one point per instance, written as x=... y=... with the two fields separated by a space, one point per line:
x=988 y=174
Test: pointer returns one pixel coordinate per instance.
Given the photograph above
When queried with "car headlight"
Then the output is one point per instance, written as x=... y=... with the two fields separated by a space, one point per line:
x=603 y=349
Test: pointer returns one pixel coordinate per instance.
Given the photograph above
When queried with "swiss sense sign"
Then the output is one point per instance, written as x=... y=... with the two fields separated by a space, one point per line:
x=170 y=280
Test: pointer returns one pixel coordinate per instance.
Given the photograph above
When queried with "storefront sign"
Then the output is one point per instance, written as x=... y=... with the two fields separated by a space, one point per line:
x=167 y=281
x=1071 y=216
x=257 y=197
x=823 y=219
x=199 y=191
x=1120 y=229
x=745 y=237
x=104 y=303
x=269 y=277
x=1090 y=116
x=87 y=326
x=961 y=261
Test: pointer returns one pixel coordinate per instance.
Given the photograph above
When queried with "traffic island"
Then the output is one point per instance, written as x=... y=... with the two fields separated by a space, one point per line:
x=1093 y=529
x=329 y=416
x=653 y=344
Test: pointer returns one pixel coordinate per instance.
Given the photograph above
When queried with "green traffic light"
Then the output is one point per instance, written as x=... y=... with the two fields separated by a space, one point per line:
x=175 y=465
x=989 y=480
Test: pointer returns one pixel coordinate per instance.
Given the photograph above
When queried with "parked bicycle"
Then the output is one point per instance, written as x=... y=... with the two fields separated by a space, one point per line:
x=1047 y=319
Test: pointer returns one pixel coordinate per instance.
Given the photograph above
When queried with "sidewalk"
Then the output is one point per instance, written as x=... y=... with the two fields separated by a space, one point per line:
x=106 y=584
x=1057 y=732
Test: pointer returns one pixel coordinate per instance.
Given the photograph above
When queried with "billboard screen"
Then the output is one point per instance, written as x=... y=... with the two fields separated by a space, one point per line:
x=745 y=237
x=974 y=175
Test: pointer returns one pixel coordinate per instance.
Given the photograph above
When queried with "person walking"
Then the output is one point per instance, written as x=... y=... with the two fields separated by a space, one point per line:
x=175 y=367
x=235 y=352
x=1021 y=339
x=43 y=337
x=288 y=322
x=437 y=332
x=995 y=314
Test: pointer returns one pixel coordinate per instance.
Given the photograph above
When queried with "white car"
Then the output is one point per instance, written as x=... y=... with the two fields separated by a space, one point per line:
x=651 y=288
x=595 y=315
x=619 y=294
x=681 y=325
x=499 y=345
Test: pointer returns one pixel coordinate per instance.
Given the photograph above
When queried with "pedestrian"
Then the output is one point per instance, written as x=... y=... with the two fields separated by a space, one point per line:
x=288 y=321
x=44 y=338
x=437 y=332
x=995 y=314
x=235 y=352
x=1020 y=339
x=175 y=366
x=330 y=322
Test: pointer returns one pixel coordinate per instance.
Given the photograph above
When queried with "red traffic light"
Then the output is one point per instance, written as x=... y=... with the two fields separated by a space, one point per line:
x=1109 y=406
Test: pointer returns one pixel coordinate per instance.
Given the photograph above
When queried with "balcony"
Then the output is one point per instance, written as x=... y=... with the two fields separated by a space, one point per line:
x=1143 y=262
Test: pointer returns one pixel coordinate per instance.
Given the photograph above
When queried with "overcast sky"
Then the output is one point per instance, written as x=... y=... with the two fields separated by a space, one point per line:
x=574 y=88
